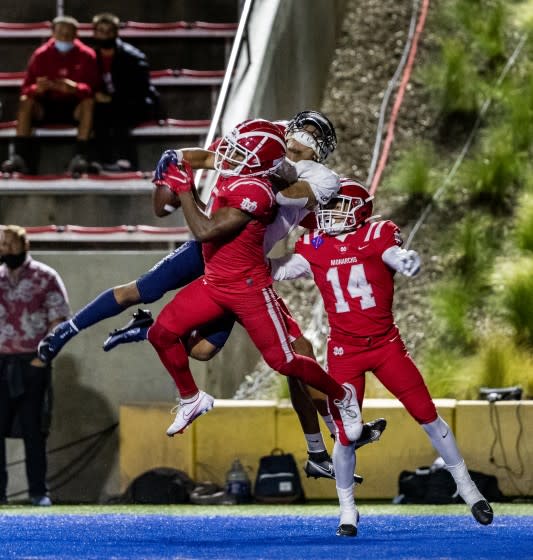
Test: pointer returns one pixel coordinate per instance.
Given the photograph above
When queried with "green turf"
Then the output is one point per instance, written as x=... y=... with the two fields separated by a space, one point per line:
x=304 y=509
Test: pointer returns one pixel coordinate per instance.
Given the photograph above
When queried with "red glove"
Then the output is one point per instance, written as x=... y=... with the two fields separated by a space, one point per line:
x=178 y=179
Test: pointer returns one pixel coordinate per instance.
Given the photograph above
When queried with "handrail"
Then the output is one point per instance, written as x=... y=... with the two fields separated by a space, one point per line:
x=224 y=88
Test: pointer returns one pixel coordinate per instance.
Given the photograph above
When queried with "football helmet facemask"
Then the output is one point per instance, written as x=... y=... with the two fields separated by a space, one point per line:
x=347 y=210
x=322 y=140
x=254 y=147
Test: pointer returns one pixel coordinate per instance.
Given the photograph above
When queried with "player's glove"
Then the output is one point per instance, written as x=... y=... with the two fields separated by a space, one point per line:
x=406 y=262
x=176 y=179
x=174 y=157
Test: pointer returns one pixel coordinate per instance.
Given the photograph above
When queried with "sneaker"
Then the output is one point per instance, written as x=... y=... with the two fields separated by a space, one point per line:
x=52 y=343
x=348 y=530
x=41 y=501
x=188 y=411
x=350 y=414
x=482 y=512
x=135 y=331
x=371 y=432
x=319 y=465
x=15 y=164
x=78 y=165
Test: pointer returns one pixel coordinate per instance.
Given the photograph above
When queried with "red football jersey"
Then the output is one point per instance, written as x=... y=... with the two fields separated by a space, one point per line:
x=356 y=285
x=240 y=259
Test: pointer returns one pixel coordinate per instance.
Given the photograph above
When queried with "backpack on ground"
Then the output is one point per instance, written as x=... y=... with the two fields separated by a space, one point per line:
x=278 y=480
x=161 y=485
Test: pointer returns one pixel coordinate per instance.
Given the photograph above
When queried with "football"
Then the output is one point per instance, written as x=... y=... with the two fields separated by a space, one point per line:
x=164 y=201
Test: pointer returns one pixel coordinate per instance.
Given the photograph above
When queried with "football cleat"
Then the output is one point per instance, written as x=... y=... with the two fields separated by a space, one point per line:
x=371 y=432
x=52 y=343
x=134 y=331
x=349 y=412
x=188 y=411
x=482 y=512
x=319 y=465
x=346 y=531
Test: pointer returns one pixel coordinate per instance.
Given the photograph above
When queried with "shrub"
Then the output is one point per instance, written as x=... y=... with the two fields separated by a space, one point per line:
x=524 y=223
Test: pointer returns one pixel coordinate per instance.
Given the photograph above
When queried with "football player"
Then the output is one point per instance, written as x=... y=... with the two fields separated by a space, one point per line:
x=310 y=139
x=237 y=277
x=352 y=260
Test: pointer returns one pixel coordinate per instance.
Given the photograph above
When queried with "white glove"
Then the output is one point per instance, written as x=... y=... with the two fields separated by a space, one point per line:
x=406 y=262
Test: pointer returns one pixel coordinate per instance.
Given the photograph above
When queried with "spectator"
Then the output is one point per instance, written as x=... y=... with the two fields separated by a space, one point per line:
x=32 y=301
x=125 y=96
x=58 y=89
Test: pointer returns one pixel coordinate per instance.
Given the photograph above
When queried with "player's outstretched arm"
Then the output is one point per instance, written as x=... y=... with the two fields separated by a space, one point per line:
x=289 y=267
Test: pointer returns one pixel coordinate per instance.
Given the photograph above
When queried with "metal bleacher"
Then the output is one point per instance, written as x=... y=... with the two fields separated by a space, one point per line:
x=189 y=87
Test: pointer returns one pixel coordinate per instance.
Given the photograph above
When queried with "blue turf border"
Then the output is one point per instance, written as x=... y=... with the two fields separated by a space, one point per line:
x=154 y=537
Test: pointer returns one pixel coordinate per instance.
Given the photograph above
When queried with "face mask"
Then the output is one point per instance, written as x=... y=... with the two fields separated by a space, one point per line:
x=14 y=261
x=105 y=43
x=64 y=46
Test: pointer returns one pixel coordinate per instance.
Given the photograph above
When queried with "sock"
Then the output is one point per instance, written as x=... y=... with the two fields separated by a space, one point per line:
x=344 y=464
x=315 y=443
x=102 y=307
x=348 y=510
x=82 y=147
x=328 y=420
x=443 y=441
x=465 y=485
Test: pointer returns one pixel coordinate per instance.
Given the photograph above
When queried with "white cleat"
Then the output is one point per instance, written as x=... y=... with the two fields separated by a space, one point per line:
x=350 y=413
x=188 y=411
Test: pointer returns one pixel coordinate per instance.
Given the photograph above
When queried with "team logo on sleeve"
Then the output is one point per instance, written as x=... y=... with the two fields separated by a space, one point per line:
x=248 y=205
x=398 y=238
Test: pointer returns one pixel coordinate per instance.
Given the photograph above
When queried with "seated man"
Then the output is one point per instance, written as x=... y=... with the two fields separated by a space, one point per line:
x=58 y=89
x=125 y=97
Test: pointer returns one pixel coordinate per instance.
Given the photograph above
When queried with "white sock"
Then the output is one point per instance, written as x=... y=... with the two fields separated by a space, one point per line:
x=328 y=420
x=465 y=485
x=344 y=464
x=443 y=441
x=190 y=399
x=315 y=443
x=348 y=511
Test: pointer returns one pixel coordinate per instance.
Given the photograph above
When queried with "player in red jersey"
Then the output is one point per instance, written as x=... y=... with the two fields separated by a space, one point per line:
x=353 y=261
x=237 y=277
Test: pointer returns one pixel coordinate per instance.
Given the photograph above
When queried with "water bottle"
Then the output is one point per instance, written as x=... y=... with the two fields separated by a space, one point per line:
x=238 y=483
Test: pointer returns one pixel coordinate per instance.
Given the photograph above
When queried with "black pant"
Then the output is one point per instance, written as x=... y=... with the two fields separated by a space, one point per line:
x=23 y=388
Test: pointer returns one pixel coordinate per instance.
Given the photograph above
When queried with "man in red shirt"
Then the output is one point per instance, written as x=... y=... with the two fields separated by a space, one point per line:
x=352 y=261
x=237 y=278
x=58 y=88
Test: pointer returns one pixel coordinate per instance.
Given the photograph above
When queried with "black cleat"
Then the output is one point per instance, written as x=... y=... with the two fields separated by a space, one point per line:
x=371 y=432
x=482 y=512
x=319 y=465
x=346 y=531
x=133 y=331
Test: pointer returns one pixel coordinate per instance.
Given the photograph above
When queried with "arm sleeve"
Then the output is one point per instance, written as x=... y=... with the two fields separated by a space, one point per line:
x=56 y=300
x=290 y=267
x=323 y=182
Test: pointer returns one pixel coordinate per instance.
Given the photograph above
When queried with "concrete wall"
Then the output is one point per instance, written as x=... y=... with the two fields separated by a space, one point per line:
x=291 y=45
x=250 y=429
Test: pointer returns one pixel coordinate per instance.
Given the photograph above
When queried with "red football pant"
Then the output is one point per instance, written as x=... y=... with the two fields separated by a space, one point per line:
x=391 y=364
x=259 y=313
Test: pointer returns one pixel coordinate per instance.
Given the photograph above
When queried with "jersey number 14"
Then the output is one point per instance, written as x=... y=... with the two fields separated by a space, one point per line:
x=358 y=287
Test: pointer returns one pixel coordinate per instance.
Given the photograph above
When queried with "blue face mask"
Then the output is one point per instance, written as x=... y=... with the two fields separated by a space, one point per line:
x=64 y=46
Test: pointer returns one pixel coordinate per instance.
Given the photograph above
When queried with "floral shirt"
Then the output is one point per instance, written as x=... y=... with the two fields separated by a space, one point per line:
x=30 y=301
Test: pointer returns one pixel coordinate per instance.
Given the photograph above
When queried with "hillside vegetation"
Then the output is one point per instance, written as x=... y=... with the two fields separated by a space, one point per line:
x=460 y=157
